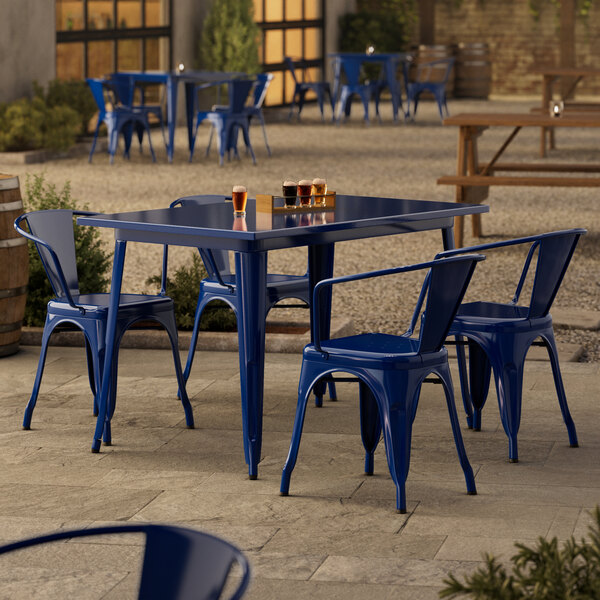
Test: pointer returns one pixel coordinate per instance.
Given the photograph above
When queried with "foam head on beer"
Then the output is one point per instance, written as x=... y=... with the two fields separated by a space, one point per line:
x=305 y=182
x=319 y=181
x=237 y=189
x=289 y=183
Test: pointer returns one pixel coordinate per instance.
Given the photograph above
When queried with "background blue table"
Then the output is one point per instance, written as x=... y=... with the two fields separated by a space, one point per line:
x=213 y=226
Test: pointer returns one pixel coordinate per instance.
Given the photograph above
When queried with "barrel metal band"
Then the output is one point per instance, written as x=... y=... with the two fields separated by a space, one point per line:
x=9 y=183
x=12 y=292
x=11 y=206
x=9 y=349
x=13 y=242
x=8 y=327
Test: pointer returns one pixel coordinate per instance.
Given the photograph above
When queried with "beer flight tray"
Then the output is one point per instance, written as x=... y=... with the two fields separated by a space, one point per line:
x=266 y=203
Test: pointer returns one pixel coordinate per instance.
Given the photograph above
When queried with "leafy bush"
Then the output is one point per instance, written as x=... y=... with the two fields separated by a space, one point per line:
x=217 y=316
x=93 y=262
x=386 y=24
x=31 y=124
x=75 y=94
x=230 y=37
x=543 y=572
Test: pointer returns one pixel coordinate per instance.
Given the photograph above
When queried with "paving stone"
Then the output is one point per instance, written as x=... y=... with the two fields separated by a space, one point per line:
x=575 y=318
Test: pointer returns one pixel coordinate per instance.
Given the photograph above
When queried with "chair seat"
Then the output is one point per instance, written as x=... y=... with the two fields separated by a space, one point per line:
x=377 y=350
x=496 y=317
x=99 y=302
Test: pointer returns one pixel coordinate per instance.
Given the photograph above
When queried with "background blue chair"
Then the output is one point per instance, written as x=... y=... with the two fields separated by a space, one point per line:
x=179 y=563
x=350 y=67
x=118 y=119
x=226 y=121
x=320 y=88
x=500 y=334
x=263 y=81
x=423 y=83
x=220 y=285
x=52 y=233
x=127 y=89
x=391 y=369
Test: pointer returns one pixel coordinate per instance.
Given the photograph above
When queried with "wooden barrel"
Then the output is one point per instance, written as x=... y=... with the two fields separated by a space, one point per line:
x=425 y=54
x=473 y=71
x=14 y=266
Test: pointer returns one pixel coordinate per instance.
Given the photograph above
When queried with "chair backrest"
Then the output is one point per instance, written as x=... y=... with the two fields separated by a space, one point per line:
x=179 y=563
x=290 y=65
x=52 y=233
x=426 y=70
x=351 y=68
x=238 y=90
x=97 y=88
x=554 y=252
x=444 y=287
x=124 y=87
x=260 y=89
x=216 y=262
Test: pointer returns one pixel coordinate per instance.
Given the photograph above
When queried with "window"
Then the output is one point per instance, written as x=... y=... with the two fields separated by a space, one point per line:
x=96 y=37
x=290 y=28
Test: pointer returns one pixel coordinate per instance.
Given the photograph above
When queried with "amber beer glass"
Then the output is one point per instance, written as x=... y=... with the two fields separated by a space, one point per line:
x=319 y=189
x=290 y=191
x=304 y=191
x=239 y=197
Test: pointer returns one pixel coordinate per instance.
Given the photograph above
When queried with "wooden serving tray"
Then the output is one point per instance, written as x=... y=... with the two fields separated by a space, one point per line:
x=265 y=203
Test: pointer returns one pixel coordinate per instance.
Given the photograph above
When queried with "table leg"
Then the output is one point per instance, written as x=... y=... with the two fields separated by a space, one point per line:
x=390 y=74
x=113 y=309
x=251 y=283
x=171 y=114
x=448 y=238
x=546 y=97
x=190 y=88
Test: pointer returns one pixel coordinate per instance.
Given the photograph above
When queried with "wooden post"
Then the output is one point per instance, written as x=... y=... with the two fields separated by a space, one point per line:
x=427 y=22
x=567 y=42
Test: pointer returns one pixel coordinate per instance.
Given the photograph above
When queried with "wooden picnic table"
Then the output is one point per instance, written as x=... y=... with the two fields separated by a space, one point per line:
x=472 y=179
x=550 y=75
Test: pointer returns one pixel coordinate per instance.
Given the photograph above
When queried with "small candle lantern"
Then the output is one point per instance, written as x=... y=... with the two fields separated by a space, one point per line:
x=556 y=108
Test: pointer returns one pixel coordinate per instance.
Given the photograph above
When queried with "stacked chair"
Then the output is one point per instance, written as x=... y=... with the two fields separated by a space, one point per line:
x=302 y=87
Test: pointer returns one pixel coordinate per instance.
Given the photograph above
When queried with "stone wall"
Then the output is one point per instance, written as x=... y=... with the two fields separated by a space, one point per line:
x=517 y=41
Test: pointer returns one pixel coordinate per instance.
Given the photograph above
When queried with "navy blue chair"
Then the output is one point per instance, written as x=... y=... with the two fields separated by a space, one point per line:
x=52 y=233
x=423 y=83
x=320 y=88
x=390 y=369
x=351 y=68
x=263 y=81
x=220 y=285
x=117 y=117
x=227 y=121
x=500 y=334
x=179 y=563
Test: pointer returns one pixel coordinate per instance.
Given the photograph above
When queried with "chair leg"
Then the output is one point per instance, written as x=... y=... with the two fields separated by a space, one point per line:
x=194 y=340
x=92 y=374
x=246 y=135
x=307 y=375
x=264 y=129
x=38 y=376
x=464 y=380
x=147 y=127
x=560 y=389
x=370 y=425
x=444 y=374
x=320 y=99
x=93 y=148
x=479 y=381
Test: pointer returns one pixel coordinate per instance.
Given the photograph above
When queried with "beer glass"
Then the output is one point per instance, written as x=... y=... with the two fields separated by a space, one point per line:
x=239 y=197
x=304 y=191
x=319 y=189
x=290 y=191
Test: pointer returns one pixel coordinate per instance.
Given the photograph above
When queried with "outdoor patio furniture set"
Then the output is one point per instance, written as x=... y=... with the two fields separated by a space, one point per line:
x=390 y=369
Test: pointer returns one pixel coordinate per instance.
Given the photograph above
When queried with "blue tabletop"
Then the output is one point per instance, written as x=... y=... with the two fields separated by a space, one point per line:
x=214 y=225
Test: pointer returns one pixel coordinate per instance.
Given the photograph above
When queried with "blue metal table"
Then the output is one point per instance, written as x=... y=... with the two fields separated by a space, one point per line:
x=389 y=62
x=171 y=82
x=213 y=226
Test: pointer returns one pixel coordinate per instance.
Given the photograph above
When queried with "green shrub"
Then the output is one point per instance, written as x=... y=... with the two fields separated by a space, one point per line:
x=230 y=37
x=183 y=288
x=93 y=262
x=545 y=571
x=31 y=124
x=75 y=94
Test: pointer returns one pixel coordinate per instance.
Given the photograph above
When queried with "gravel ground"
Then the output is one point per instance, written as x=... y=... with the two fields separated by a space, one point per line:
x=397 y=160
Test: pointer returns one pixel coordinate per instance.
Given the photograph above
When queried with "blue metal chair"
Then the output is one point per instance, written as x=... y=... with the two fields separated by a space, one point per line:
x=351 y=68
x=320 y=88
x=119 y=119
x=423 y=83
x=220 y=285
x=391 y=369
x=179 y=563
x=52 y=233
x=227 y=122
x=260 y=92
x=394 y=86
x=499 y=335
x=126 y=88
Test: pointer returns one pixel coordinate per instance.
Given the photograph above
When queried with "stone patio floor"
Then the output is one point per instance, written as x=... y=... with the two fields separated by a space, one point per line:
x=336 y=536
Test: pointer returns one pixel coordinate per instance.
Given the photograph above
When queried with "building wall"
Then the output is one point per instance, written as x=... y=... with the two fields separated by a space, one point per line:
x=517 y=42
x=27 y=46
x=188 y=16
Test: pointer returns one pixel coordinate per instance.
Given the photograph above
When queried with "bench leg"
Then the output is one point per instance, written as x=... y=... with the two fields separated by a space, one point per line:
x=458 y=231
x=476 y=225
